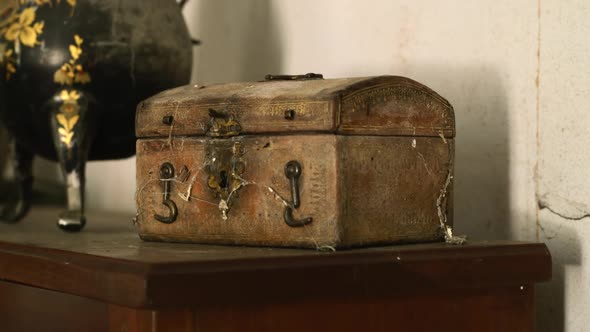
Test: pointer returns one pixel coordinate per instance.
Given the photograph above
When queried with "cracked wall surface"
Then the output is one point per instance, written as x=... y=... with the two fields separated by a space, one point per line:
x=564 y=120
x=563 y=143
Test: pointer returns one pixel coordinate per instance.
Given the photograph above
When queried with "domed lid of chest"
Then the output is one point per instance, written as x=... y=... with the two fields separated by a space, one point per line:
x=382 y=105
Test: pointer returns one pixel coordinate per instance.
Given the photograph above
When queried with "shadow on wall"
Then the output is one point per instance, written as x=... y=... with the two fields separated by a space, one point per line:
x=240 y=41
x=482 y=162
x=482 y=190
x=564 y=243
x=482 y=180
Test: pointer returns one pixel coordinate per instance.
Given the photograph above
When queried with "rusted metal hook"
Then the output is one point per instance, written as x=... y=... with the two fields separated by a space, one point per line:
x=291 y=221
x=171 y=216
x=166 y=174
x=293 y=172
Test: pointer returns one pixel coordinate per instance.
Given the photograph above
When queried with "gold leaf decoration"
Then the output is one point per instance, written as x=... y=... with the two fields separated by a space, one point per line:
x=73 y=120
x=74 y=95
x=61 y=76
x=66 y=95
x=68 y=116
x=61 y=119
x=82 y=77
x=7 y=59
x=18 y=26
x=43 y=2
x=75 y=52
x=38 y=27
x=27 y=17
x=22 y=31
x=72 y=72
x=10 y=68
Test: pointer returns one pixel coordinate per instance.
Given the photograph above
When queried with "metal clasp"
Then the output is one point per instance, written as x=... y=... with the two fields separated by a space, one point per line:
x=225 y=166
x=223 y=124
x=293 y=172
x=166 y=175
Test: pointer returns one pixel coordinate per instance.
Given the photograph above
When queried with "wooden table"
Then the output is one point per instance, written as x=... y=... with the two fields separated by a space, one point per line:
x=107 y=279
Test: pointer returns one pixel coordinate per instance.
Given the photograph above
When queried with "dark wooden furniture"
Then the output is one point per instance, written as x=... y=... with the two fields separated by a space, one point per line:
x=107 y=279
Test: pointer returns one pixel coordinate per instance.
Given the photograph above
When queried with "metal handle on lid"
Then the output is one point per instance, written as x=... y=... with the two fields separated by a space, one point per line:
x=308 y=76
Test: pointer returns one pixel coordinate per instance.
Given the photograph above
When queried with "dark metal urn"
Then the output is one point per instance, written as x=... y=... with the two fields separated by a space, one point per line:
x=72 y=73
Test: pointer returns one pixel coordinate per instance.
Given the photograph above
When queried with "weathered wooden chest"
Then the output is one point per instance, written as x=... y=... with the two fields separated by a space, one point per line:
x=296 y=161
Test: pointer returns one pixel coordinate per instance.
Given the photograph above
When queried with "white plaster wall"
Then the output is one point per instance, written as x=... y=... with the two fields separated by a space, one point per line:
x=563 y=185
x=515 y=71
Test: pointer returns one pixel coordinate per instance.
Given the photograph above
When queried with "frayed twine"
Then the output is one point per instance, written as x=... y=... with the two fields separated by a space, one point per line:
x=181 y=178
x=224 y=204
x=442 y=217
x=325 y=249
x=183 y=174
x=186 y=197
x=278 y=197
x=451 y=239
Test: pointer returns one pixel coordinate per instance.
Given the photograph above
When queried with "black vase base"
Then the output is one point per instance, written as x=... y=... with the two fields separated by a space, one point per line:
x=13 y=212
x=15 y=201
x=71 y=221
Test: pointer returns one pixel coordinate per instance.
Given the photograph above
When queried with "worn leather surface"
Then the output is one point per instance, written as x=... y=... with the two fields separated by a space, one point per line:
x=385 y=105
x=376 y=155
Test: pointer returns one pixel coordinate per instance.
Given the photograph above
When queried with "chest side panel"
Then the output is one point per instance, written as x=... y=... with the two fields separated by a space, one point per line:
x=395 y=189
x=262 y=190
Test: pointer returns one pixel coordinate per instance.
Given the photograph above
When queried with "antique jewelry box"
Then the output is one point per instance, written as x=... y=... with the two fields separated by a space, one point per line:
x=297 y=161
